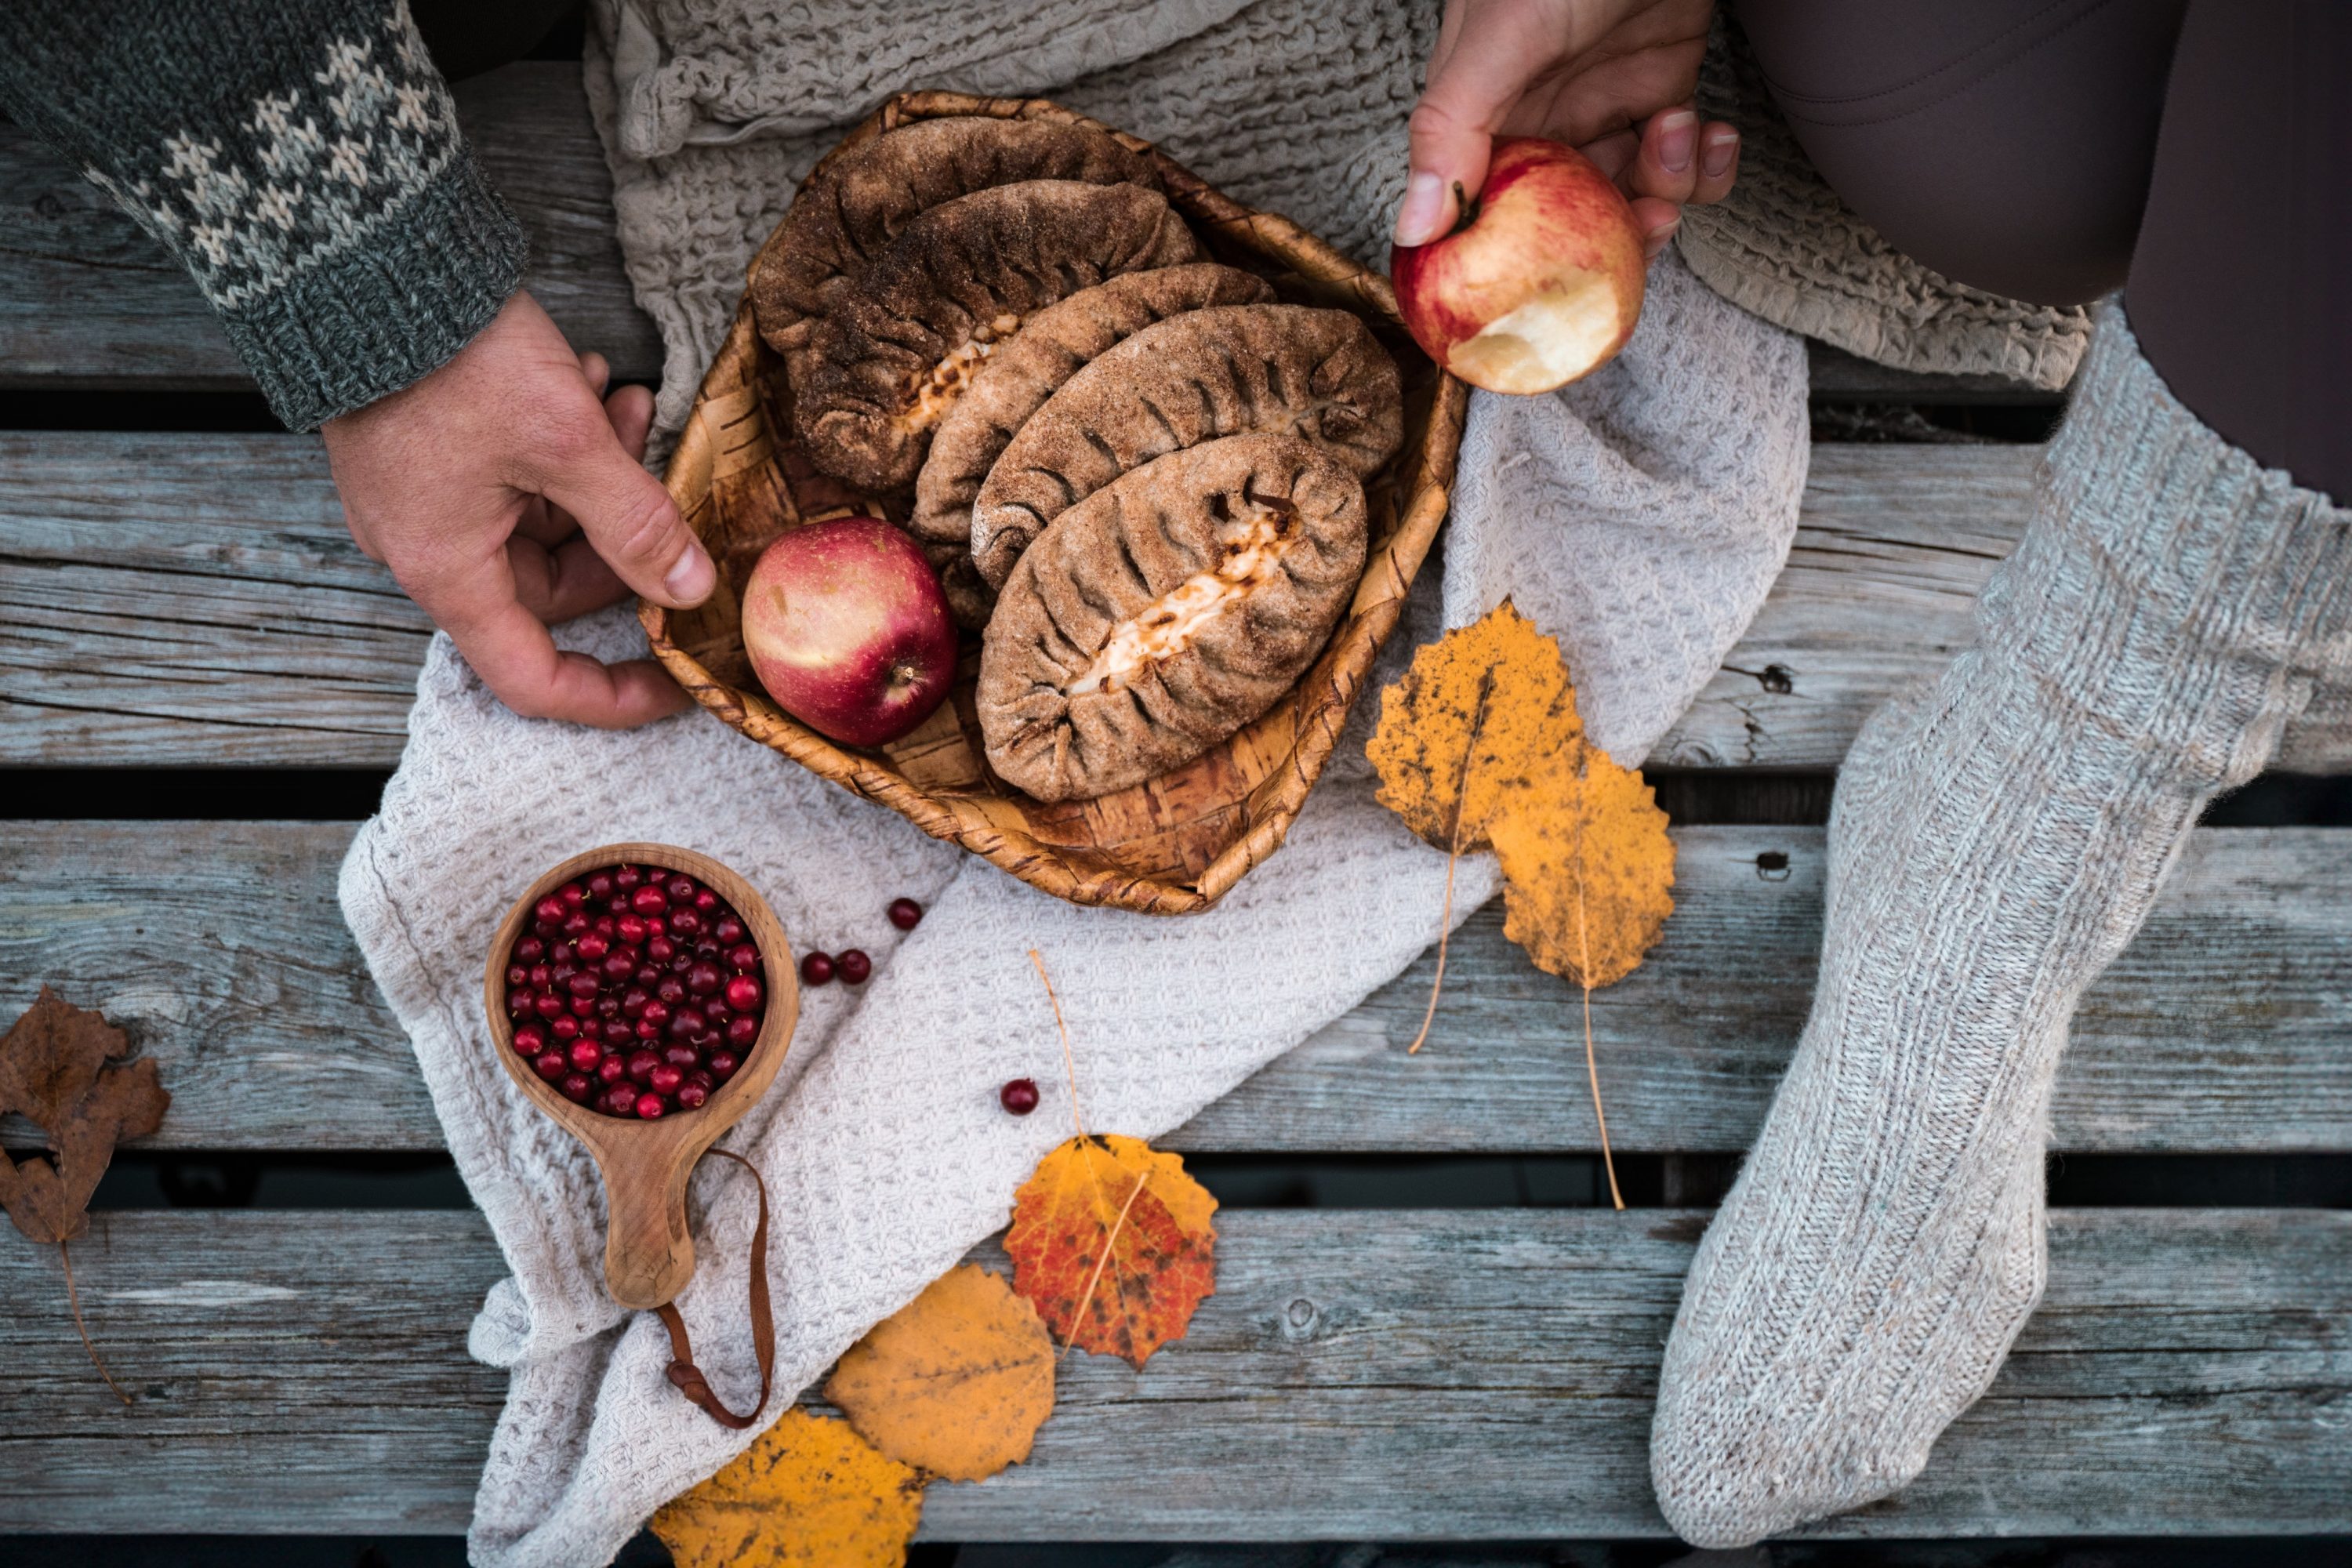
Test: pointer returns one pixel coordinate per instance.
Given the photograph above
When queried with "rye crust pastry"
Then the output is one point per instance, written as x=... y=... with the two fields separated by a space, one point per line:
x=1017 y=378
x=902 y=342
x=1289 y=369
x=854 y=206
x=1165 y=611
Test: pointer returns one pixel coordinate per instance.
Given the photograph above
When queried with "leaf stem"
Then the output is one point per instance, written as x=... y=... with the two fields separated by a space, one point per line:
x=73 y=1299
x=1111 y=1240
x=1069 y=1063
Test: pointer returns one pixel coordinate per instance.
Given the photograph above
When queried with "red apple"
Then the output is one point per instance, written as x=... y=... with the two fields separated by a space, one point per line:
x=848 y=630
x=1540 y=283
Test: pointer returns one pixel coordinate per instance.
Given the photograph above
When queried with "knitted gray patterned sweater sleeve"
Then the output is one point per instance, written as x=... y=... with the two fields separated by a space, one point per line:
x=301 y=157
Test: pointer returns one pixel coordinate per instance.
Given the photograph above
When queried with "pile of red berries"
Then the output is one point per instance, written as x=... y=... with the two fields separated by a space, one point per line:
x=635 y=991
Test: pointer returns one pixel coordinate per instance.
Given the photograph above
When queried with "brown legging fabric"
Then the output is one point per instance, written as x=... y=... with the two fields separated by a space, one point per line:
x=2195 y=154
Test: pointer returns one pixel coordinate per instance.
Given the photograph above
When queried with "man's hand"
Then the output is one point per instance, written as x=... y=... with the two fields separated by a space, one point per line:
x=505 y=495
x=1613 y=77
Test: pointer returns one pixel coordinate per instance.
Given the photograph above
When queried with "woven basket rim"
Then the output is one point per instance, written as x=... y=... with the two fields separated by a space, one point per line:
x=1342 y=666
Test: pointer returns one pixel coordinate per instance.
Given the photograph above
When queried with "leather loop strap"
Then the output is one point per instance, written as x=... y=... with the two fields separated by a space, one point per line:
x=684 y=1373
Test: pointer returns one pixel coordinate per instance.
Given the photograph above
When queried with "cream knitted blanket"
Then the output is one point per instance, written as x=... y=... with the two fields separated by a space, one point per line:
x=1641 y=516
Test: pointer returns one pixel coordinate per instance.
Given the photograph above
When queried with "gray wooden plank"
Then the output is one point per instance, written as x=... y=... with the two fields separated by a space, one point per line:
x=1358 y=1375
x=215 y=613
x=87 y=300
x=2226 y=1026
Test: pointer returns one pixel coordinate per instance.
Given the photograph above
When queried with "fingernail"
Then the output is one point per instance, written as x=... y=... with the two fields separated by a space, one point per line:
x=1658 y=239
x=1424 y=210
x=1677 y=137
x=1721 y=149
x=690 y=581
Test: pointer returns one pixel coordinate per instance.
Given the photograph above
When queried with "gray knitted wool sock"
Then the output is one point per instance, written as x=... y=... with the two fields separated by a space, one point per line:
x=1996 y=840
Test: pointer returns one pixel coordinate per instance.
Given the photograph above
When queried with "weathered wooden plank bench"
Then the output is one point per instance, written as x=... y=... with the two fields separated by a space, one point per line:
x=175 y=601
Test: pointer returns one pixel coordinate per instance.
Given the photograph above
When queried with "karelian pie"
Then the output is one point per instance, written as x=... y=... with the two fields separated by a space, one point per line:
x=859 y=200
x=1164 y=611
x=903 y=340
x=1014 y=382
x=1286 y=369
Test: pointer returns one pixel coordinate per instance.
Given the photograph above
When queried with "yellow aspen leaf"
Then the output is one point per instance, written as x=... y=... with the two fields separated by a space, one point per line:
x=1478 y=709
x=1113 y=1243
x=1587 y=867
x=1479 y=745
x=956 y=1382
x=811 y=1494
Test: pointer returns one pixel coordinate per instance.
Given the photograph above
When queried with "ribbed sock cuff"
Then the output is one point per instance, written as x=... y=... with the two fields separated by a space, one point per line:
x=389 y=302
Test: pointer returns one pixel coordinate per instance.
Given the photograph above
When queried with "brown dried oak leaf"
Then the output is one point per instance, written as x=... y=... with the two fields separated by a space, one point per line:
x=54 y=1071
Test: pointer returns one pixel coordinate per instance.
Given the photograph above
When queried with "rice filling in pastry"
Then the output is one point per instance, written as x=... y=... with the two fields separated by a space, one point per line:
x=1293 y=369
x=1153 y=619
x=860 y=199
x=903 y=341
x=1015 y=381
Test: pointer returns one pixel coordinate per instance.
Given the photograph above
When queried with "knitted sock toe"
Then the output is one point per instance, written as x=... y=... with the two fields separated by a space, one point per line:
x=1996 y=840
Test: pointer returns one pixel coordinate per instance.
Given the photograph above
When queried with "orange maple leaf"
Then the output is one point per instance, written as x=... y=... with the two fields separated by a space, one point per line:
x=1479 y=745
x=1112 y=1243
x=956 y=1382
x=811 y=1494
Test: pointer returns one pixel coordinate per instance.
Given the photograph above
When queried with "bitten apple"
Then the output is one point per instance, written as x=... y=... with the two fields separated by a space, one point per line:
x=1540 y=283
x=848 y=630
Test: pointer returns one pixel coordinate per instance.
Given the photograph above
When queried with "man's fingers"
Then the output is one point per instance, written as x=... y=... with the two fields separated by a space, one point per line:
x=631 y=410
x=1479 y=81
x=568 y=580
x=1657 y=221
x=510 y=650
x=634 y=524
x=598 y=370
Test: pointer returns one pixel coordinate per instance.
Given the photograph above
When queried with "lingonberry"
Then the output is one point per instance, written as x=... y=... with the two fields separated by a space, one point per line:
x=904 y=913
x=816 y=968
x=636 y=991
x=853 y=966
x=1019 y=1097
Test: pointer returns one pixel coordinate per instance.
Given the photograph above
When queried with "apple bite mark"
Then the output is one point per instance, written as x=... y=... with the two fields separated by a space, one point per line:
x=1252 y=546
x=1553 y=339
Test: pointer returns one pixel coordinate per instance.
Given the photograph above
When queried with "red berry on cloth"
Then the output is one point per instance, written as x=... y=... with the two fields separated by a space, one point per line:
x=904 y=913
x=816 y=969
x=852 y=965
x=1019 y=1097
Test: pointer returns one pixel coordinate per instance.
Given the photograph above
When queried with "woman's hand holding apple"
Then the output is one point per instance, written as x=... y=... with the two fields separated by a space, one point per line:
x=1612 y=77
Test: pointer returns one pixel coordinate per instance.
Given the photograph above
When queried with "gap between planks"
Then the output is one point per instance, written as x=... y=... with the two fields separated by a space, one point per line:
x=1361 y=1375
x=2223 y=1028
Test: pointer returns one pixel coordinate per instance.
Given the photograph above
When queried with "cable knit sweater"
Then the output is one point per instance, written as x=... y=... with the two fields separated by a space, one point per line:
x=301 y=157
